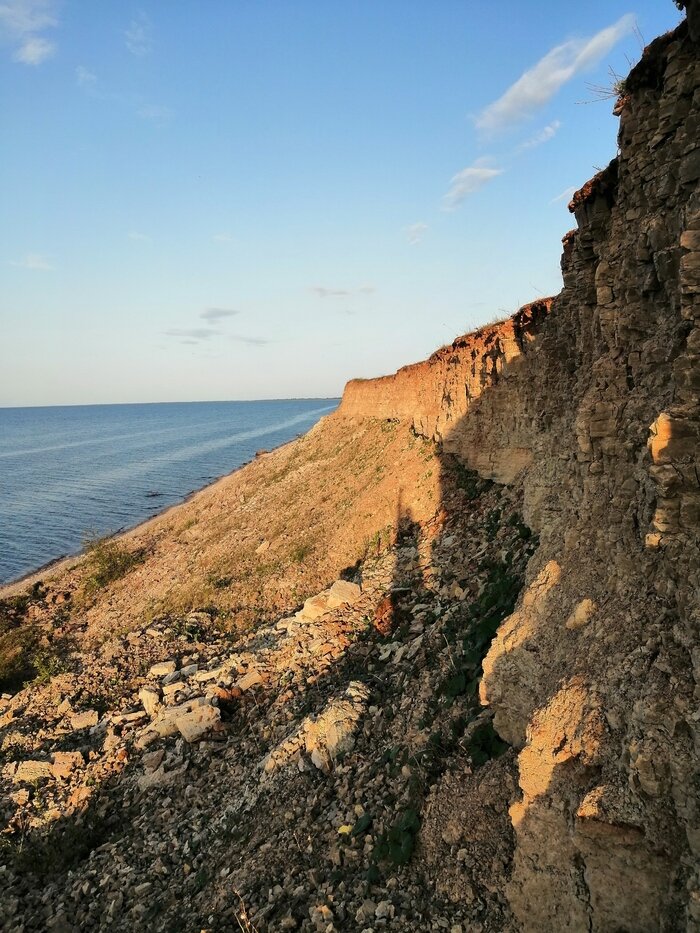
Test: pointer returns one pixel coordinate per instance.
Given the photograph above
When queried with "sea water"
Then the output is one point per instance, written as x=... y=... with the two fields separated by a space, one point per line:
x=72 y=472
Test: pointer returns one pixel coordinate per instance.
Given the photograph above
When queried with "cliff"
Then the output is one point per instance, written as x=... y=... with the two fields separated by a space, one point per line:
x=435 y=396
x=436 y=664
x=594 y=397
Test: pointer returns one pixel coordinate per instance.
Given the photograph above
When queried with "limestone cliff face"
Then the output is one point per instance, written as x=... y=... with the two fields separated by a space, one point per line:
x=593 y=402
x=436 y=395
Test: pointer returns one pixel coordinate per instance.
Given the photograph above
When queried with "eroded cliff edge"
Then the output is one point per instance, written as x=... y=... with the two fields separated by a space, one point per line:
x=591 y=401
x=261 y=709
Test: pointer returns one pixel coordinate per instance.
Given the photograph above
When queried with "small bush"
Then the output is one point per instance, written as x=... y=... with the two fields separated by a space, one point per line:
x=300 y=552
x=22 y=658
x=396 y=846
x=108 y=561
x=16 y=648
x=486 y=744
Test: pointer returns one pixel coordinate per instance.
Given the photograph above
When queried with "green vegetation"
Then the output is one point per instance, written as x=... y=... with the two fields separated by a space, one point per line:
x=24 y=654
x=59 y=849
x=300 y=552
x=397 y=844
x=218 y=581
x=107 y=560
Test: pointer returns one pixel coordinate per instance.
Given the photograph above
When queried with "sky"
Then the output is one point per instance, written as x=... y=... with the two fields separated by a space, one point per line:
x=243 y=199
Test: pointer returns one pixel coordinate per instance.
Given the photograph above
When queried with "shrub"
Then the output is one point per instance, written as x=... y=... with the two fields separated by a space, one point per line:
x=300 y=552
x=107 y=561
x=396 y=846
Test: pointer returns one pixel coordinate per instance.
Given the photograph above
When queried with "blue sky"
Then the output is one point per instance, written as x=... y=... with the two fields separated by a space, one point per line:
x=240 y=199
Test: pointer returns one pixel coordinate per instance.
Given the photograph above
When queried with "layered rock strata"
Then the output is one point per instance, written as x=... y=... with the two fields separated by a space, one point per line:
x=592 y=401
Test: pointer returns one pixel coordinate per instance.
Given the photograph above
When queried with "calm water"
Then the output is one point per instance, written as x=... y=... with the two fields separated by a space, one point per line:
x=66 y=472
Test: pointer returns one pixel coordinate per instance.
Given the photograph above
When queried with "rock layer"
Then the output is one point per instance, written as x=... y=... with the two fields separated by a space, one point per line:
x=592 y=399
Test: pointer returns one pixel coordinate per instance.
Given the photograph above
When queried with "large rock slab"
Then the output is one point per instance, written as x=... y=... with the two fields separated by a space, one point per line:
x=196 y=724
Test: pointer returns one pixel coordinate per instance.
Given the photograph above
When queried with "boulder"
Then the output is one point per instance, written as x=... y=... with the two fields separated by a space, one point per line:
x=343 y=592
x=194 y=725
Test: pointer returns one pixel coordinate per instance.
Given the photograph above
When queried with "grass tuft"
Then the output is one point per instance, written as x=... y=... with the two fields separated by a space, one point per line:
x=107 y=561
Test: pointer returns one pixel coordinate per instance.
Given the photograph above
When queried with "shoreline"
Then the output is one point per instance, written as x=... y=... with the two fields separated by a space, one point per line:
x=53 y=565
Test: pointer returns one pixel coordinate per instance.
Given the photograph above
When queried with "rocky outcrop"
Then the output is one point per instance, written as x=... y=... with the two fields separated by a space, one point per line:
x=221 y=738
x=593 y=400
x=436 y=395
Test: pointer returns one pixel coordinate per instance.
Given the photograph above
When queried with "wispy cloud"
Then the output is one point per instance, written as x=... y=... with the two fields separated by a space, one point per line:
x=252 y=341
x=138 y=36
x=535 y=87
x=192 y=333
x=22 y=23
x=33 y=261
x=217 y=314
x=34 y=50
x=139 y=237
x=544 y=135
x=566 y=195
x=468 y=181
x=415 y=232
x=223 y=238
x=85 y=77
x=155 y=114
x=322 y=292
x=197 y=335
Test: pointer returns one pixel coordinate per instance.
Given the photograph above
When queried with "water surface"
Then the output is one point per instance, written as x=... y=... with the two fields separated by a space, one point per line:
x=68 y=472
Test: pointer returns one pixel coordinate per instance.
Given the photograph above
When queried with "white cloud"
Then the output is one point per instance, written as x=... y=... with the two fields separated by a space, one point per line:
x=85 y=77
x=216 y=314
x=566 y=195
x=34 y=261
x=539 y=84
x=20 y=17
x=34 y=51
x=322 y=292
x=21 y=25
x=138 y=35
x=158 y=116
x=141 y=237
x=544 y=135
x=416 y=232
x=252 y=341
x=192 y=333
x=467 y=181
x=223 y=238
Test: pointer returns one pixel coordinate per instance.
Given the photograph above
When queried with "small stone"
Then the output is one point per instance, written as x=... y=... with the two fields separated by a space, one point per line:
x=64 y=763
x=162 y=668
x=152 y=760
x=251 y=679
x=31 y=771
x=150 y=698
x=385 y=910
x=85 y=720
